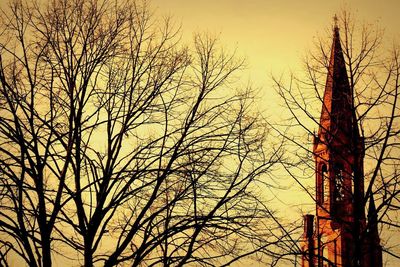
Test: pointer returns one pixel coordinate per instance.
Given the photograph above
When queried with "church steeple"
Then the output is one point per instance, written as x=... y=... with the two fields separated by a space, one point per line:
x=337 y=115
x=337 y=140
x=338 y=152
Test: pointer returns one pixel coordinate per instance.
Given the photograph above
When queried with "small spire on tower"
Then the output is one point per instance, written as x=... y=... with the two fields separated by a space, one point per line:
x=335 y=22
x=372 y=214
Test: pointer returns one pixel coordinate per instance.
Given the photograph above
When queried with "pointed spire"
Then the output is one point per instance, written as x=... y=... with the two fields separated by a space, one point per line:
x=335 y=21
x=338 y=108
x=373 y=240
x=372 y=213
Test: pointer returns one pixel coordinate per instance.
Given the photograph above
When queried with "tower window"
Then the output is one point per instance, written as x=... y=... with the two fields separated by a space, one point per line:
x=339 y=186
x=352 y=183
x=325 y=183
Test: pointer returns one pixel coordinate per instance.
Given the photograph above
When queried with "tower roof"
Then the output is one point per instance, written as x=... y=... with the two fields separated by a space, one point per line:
x=338 y=120
x=372 y=214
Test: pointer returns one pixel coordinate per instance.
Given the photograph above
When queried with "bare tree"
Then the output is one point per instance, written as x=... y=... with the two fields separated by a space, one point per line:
x=373 y=71
x=119 y=145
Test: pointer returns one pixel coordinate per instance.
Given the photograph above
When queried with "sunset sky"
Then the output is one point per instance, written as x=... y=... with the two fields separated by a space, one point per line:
x=273 y=35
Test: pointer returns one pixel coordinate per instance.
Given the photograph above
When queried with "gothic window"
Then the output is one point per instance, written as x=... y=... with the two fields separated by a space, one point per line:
x=325 y=183
x=339 y=186
x=352 y=182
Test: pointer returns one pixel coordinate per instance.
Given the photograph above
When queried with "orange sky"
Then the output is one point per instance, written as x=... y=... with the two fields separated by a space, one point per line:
x=272 y=34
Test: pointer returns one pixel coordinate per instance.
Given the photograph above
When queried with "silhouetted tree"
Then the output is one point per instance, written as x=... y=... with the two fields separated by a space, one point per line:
x=118 y=144
x=373 y=70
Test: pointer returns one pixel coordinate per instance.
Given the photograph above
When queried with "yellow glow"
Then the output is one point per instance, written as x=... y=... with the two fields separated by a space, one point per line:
x=273 y=36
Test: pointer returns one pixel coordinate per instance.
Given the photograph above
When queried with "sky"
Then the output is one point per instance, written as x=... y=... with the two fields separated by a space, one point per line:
x=272 y=35
x=275 y=35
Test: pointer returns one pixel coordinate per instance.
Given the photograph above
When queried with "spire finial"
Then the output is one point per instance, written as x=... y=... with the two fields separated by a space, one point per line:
x=335 y=21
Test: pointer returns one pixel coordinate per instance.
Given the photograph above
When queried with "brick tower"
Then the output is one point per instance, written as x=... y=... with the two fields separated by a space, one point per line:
x=341 y=236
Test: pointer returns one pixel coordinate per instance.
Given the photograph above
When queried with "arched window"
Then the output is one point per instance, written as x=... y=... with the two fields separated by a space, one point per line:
x=339 y=185
x=325 y=183
x=352 y=183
